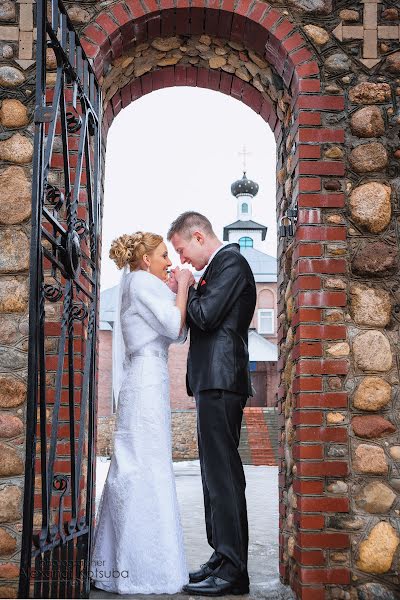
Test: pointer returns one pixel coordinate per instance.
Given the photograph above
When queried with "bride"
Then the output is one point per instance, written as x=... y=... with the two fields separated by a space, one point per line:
x=138 y=545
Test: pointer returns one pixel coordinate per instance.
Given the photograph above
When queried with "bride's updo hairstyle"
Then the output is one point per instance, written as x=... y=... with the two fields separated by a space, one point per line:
x=129 y=249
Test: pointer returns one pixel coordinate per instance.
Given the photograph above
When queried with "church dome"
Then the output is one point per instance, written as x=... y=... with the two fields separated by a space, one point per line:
x=244 y=186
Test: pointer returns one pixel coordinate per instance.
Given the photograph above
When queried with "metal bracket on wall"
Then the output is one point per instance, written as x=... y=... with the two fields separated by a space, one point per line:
x=288 y=222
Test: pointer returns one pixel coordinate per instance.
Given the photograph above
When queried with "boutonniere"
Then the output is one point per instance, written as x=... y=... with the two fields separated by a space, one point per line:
x=203 y=282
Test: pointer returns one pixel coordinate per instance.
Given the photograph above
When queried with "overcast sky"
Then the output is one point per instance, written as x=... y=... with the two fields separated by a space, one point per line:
x=177 y=149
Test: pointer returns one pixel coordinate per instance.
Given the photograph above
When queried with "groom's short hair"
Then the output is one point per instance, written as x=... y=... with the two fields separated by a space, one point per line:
x=188 y=222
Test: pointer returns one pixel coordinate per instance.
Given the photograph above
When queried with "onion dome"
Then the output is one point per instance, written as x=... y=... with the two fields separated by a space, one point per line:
x=244 y=186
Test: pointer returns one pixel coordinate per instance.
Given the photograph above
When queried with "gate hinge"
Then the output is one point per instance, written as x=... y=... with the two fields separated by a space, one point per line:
x=43 y=114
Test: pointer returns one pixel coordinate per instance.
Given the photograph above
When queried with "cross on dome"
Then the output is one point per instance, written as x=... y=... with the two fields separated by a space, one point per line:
x=244 y=154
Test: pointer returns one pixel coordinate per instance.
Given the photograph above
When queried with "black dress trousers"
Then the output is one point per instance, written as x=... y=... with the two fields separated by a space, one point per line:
x=219 y=419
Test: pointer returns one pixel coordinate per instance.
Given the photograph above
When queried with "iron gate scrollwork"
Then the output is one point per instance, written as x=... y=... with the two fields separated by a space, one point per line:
x=58 y=498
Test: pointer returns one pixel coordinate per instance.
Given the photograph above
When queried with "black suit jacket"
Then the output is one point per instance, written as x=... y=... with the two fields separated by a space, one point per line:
x=219 y=313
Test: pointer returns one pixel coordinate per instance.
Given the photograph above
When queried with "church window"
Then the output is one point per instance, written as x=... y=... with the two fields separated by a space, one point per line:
x=246 y=242
x=245 y=207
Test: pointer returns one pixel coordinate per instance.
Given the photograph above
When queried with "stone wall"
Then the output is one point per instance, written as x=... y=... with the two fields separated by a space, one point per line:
x=105 y=430
x=326 y=77
x=16 y=151
x=184 y=435
x=340 y=455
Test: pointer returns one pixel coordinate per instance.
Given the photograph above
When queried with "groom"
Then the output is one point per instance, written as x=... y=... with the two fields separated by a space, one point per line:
x=219 y=313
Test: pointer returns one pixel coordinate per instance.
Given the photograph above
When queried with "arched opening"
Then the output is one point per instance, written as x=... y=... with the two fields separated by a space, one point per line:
x=201 y=181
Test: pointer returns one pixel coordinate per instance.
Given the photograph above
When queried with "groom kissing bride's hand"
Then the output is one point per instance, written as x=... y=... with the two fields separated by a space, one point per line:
x=177 y=274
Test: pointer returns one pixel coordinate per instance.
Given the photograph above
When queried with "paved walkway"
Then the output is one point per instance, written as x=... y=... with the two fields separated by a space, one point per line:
x=262 y=504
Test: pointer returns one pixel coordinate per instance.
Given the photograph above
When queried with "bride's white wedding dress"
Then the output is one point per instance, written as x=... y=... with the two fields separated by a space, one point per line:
x=138 y=532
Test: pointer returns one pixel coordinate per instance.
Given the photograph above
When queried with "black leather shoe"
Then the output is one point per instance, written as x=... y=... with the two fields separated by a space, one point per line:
x=215 y=586
x=204 y=572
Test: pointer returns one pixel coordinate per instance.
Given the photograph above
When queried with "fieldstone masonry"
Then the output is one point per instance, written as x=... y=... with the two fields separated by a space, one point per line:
x=184 y=438
x=326 y=77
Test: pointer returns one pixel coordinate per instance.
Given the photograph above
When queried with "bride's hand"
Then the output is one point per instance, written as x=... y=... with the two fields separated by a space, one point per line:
x=172 y=281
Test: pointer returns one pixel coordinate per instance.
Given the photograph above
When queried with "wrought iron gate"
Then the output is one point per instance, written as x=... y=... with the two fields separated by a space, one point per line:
x=58 y=500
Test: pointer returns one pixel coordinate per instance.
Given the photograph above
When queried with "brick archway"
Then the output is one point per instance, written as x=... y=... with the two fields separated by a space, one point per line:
x=297 y=118
x=257 y=25
x=333 y=102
